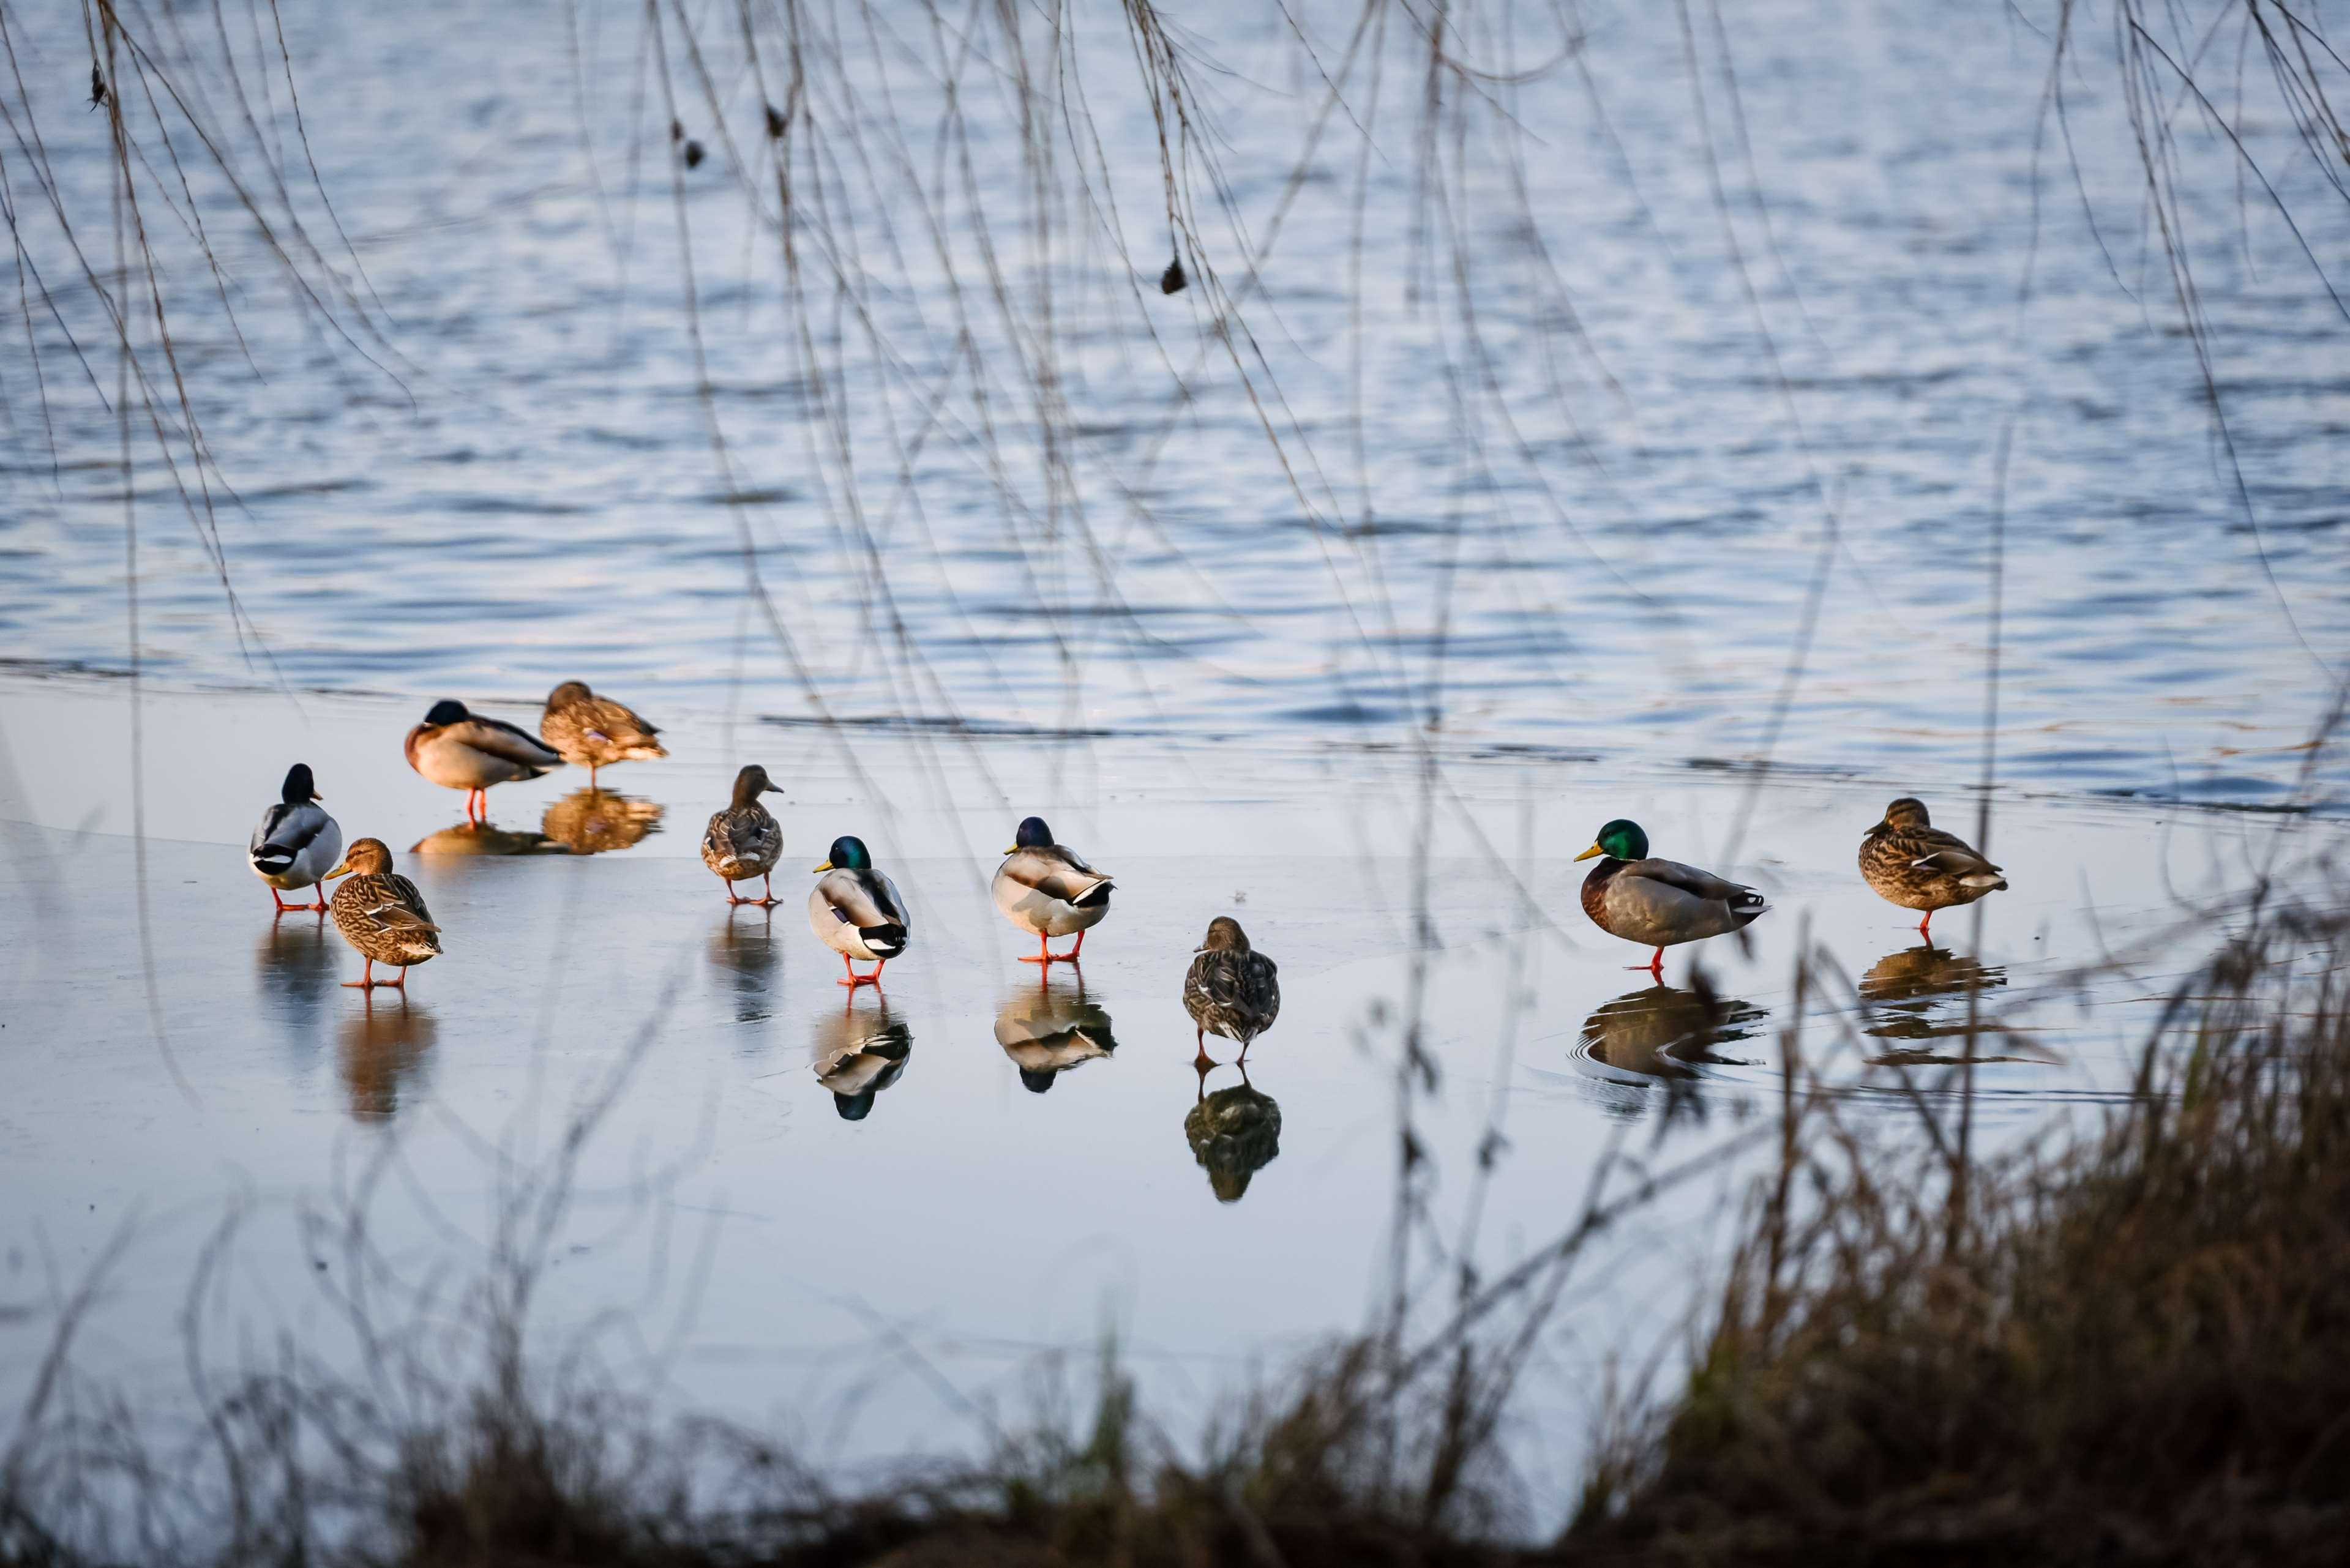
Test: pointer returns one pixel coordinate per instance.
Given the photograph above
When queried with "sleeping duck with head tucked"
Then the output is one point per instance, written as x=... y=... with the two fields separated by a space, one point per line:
x=457 y=749
x=1661 y=903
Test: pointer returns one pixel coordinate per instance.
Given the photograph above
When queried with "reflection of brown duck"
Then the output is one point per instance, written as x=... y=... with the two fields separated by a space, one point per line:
x=1920 y=994
x=1046 y=1033
x=383 y=1050
x=745 y=950
x=592 y=821
x=1659 y=1031
x=858 y=1052
x=480 y=838
x=1233 y=1133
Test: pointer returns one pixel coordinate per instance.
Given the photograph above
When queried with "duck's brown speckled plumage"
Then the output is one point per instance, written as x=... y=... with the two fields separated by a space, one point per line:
x=1911 y=862
x=1233 y=1133
x=1232 y=990
x=380 y=913
x=595 y=732
x=745 y=840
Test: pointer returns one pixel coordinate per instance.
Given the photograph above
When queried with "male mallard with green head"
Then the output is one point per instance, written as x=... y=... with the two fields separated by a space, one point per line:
x=1661 y=903
x=1048 y=889
x=380 y=913
x=295 y=841
x=745 y=840
x=1918 y=865
x=856 y=910
x=595 y=732
x=461 y=750
x=1231 y=989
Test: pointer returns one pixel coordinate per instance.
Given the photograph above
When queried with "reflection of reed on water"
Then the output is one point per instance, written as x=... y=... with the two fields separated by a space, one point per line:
x=1233 y=1133
x=857 y=1052
x=384 y=1047
x=1046 y=1032
x=594 y=820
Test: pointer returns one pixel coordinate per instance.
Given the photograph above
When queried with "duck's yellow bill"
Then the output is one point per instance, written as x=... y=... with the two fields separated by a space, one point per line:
x=343 y=869
x=1588 y=853
x=826 y=867
x=1012 y=849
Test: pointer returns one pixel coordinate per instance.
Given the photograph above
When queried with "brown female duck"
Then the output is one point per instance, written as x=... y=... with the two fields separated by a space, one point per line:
x=1916 y=865
x=380 y=912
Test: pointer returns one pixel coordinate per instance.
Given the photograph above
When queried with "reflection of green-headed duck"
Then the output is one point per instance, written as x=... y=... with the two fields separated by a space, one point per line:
x=1045 y=1032
x=1659 y=903
x=1916 y=865
x=859 y=1052
x=856 y=910
x=1659 y=1031
x=1233 y=1133
x=1231 y=989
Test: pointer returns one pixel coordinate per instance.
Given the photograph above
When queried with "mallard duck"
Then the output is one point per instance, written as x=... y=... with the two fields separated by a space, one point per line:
x=458 y=750
x=1233 y=1133
x=745 y=840
x=1047 y=888
x=592 y=821
x=1230 y=990
x=297 y=841
x=1916 y=865
x=380 y=913
x=859 y=1054
x=1661 y=903
x=856 y=910
x=595 y=732
x=1045 y=1032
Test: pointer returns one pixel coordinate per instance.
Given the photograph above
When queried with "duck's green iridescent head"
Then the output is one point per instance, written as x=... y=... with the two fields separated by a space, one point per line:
x=848 y=855
x=1619 y=840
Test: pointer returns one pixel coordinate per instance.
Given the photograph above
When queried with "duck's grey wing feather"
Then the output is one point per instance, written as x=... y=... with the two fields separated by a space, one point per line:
x=500 y=739
x=292 y=827
x=1689 y=880
x=1054 y=872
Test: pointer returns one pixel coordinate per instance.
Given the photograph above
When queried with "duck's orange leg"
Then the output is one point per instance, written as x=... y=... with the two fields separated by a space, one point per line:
x=365 y=981
x=1924 y=923
x=1044 y=954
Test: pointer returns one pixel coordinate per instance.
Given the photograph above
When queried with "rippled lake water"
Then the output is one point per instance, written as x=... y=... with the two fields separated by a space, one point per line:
x=1555 y=518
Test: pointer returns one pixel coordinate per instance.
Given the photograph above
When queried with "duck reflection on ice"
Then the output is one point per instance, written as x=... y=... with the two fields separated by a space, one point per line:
x=858 y=1052
x=745 y=950
x=593 y=821
x=478 y=838
x=384 y=1048
x=1661 y=1034
x=1233 y=1133
x=294 y=970
x=1918 y=995
x=1047 y=1031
